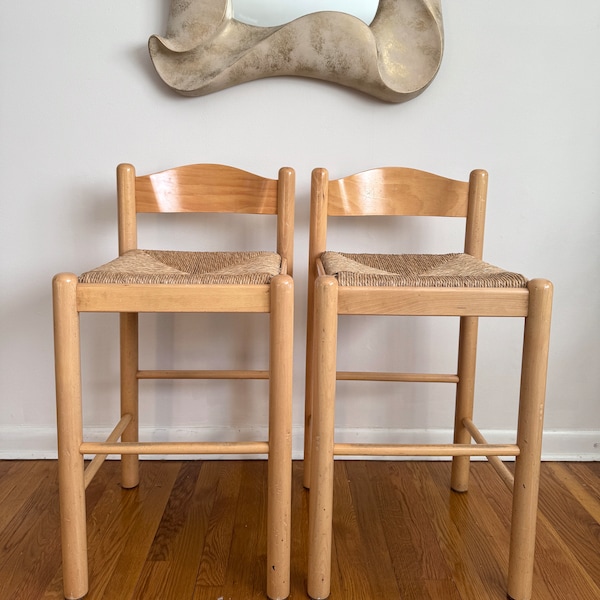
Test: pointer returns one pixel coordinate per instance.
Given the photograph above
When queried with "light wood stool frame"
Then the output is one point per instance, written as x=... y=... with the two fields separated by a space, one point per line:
x=195 y=188
x=398 y=192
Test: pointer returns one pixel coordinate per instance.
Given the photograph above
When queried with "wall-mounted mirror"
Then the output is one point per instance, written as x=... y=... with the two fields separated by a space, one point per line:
x=393 y=55
x=269 y=13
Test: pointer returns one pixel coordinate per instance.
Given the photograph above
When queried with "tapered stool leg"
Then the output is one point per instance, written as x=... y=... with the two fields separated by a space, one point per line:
x=70 y=436
x=465 y=393
x=129 y=395
x=529 y=440
x=309 y=390
x=279 y=503
x=321 y=483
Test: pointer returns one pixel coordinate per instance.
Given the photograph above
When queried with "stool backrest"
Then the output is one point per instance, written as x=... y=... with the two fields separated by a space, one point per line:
x=398 y=191
x=206 y=188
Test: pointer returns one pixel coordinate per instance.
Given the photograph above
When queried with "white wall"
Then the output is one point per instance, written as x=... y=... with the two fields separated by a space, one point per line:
x=518 y=94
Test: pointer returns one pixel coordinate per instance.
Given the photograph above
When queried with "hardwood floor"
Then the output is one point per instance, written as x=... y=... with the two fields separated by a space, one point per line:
x=196 y=531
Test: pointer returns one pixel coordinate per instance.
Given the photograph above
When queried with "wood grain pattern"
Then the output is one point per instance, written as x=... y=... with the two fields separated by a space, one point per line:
x=198 y=188
x=196 y=531
x=397 y=191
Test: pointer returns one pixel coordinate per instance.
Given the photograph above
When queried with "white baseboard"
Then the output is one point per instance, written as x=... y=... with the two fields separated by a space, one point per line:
x=24 y=443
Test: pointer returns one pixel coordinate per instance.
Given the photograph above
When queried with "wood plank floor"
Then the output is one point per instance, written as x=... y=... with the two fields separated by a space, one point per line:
x=196 y=531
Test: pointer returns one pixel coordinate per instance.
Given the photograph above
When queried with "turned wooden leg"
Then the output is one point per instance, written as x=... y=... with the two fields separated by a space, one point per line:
x=70 y=436
x=279 y=504
x=321 y=483
x=529 y=440
x=309 y=389
x=465 y=391
x=129 y=395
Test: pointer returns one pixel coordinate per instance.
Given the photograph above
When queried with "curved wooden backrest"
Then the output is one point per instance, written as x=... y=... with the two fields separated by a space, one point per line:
x=206 y=188
x=397 y=191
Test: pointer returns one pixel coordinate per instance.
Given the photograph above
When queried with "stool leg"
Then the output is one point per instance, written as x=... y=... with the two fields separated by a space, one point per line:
x=321 y=484
x=309 y=388
x=465 y=391
x=529 y=440
x=279 y=503
x=129 y=395
x=70 y=436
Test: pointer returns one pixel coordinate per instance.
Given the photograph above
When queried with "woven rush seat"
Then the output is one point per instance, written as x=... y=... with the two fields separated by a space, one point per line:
x=417 y=270
x=178 y=267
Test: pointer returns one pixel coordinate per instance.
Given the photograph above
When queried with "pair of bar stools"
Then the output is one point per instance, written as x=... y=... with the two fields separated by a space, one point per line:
x=458 y=284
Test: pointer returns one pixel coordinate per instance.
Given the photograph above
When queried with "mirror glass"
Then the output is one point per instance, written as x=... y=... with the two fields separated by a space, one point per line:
x=269 y=13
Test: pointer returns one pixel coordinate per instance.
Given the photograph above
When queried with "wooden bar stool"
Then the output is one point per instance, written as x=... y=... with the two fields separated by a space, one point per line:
x=141 y=281
x=458 y=284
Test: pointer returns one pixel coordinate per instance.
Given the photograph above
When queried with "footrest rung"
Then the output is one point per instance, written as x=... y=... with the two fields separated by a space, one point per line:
x=174 y=448
x=490 y=450
x=498 y=465
x=97 y=461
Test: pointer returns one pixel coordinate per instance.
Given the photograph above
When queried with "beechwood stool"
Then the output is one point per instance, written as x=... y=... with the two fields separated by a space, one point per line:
x=141 y=281
x=459 y=284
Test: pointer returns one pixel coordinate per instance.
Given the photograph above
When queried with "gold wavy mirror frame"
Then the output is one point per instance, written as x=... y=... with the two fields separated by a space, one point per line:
x=394 y=58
